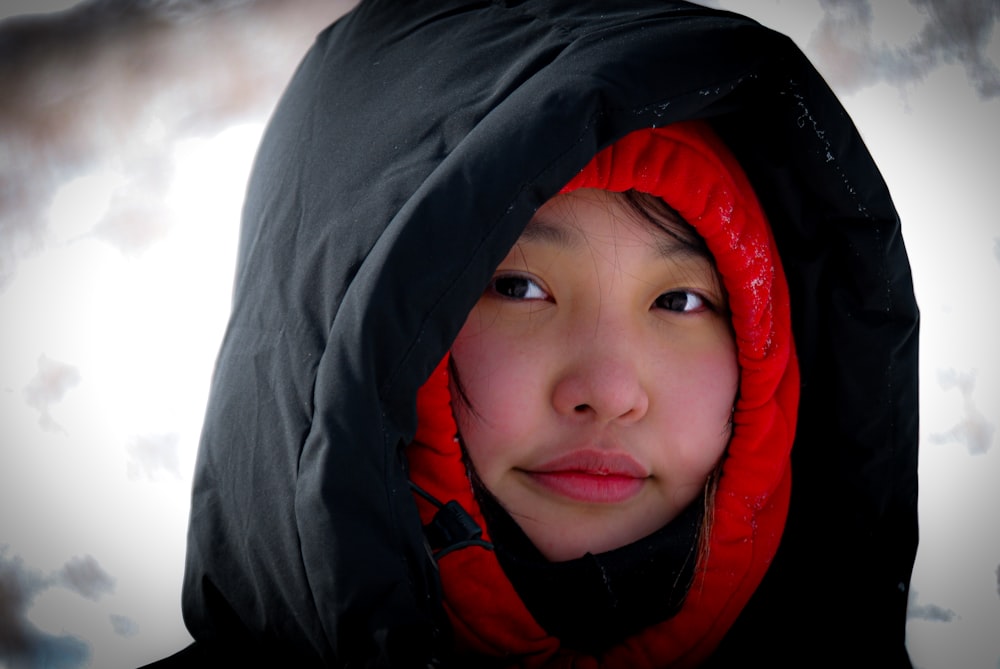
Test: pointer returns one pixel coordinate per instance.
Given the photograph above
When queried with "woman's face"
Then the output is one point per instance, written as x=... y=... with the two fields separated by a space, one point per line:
x=600 y=374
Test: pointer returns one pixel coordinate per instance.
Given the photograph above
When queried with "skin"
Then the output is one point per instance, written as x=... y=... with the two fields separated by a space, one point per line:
x=600 y=373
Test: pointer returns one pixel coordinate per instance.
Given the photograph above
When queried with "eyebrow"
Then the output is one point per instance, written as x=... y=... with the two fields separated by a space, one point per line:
x=538 y=230
x=669 y=246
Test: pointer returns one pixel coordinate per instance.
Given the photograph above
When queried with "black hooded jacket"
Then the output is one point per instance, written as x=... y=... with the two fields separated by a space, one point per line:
x=412 y=145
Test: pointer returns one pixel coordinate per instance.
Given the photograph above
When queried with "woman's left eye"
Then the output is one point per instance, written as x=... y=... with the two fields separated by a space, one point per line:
x=681 y=301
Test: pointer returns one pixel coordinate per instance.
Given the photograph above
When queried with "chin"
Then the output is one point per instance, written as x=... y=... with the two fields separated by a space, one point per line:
x=586 y=538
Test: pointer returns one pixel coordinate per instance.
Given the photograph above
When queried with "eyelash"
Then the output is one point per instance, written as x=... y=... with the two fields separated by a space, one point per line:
x=504 y=286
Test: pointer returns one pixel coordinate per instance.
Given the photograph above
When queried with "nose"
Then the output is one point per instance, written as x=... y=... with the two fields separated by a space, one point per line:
x=601 y=385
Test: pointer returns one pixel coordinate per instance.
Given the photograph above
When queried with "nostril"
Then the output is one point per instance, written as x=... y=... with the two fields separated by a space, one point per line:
x=581 y=408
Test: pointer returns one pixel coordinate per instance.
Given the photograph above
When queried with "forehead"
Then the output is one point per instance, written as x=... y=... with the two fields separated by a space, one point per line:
x=572 y=220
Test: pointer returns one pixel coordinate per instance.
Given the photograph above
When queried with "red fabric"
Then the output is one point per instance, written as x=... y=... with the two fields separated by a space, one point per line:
x=687 y=166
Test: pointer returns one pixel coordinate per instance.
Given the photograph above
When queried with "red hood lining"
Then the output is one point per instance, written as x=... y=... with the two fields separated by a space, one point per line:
x=688 y=166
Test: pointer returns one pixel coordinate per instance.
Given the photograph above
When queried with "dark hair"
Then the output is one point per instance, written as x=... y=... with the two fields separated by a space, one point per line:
x=656 y=211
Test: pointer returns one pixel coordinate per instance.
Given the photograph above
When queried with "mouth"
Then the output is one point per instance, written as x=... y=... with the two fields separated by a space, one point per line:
x=591 y=476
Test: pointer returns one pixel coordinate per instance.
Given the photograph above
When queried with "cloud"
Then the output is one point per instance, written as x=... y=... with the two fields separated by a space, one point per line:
x=960 y=31
x=151 y=456
x=85 y=576
x=974 y=430
x=22 y=644
x=126 y=210
x=931 y=612
x=117 y=82
x=53 y=380
x=134 y=223
x=123 y=625
x=852 y=56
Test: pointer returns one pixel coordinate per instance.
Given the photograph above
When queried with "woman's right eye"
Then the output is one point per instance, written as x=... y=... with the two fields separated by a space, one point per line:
x=517 y=287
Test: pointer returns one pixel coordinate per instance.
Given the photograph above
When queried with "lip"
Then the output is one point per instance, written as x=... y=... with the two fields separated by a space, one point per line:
x=595 y=477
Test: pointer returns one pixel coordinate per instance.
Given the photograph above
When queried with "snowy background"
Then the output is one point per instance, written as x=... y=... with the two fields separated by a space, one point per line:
x=126 y=134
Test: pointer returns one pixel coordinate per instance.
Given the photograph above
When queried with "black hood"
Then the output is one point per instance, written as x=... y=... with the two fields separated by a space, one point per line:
x=412 y=145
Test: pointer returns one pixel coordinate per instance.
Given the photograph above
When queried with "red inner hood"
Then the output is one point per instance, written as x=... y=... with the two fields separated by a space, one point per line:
x=688 y=166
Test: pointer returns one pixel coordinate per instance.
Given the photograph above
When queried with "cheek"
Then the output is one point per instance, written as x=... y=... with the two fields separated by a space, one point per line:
x=502 y=394
x=715 y=373
x=705 y=381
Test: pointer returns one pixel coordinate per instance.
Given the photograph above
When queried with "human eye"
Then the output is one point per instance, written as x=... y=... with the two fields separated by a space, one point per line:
x=517 y=287
x=684 y=301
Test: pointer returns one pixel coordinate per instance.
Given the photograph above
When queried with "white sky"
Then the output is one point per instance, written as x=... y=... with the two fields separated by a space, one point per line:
x=130 y=253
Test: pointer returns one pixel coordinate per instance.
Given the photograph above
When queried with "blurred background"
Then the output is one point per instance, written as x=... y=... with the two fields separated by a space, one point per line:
x=127 y=129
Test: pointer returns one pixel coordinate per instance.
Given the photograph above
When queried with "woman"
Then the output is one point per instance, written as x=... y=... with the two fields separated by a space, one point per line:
x=409 y=153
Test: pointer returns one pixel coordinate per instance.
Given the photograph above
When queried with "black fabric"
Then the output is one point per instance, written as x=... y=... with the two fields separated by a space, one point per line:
x=596 y=601
x=410 y=148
